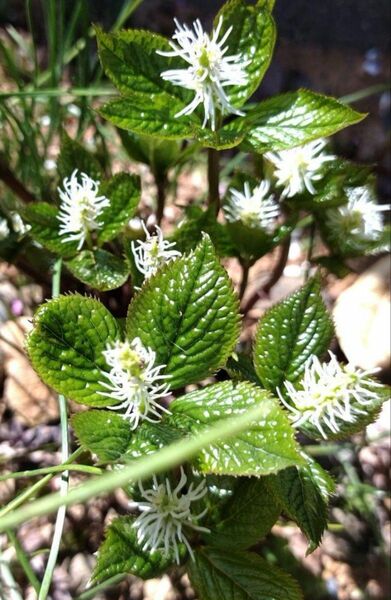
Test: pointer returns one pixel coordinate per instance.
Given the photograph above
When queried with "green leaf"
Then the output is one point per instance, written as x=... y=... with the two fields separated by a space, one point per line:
x=148 y=119
x=124 y=192
x=231 y=575
x=253 y=37
x=103 y=433
x=74 y=156
x=45 y=228
x=150 y=104
x=189 y=231
x=188 y=313
x=240 y=368
x=148 y=438
x=247 y=516
x=293 y=119
x=304 y=492
x=99 y=269
x=121 y=553
x=266 y=447
x=159 y=154
x=66 y=345
x=289 y=333
x=129 y=57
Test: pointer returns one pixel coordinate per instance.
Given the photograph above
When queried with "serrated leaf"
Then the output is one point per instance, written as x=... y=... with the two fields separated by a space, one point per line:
x=188 y=314
x=151 y=437
x=45 y=228
x=66 y=344
x=147 y=119
x=303 y=493
x=121 y=553
x=266 y=447
x=74 y=156
x=231 y=575
x=252 y=37
x=124 y=192
x=289 y=333
x=130 y=58
x=99 y=269
x=247 y=516
x=240 y=368
x=103 y=433
x=293 y=119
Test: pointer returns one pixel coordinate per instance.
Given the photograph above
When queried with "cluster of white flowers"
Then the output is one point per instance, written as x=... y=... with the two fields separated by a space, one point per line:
x=329 y=392
x=209 y=70
x=296 y=169
x=80 y=207
x=255 y=208
x=360 y=217
x=135 y=381
x=165 y=513
x=152 y=253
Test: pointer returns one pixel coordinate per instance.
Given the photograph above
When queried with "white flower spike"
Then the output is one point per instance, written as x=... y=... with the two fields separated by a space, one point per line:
x=330 y=393
x=4 y=229
x=135 y=381
x=209 y=70
x=255 y=208
x=165 y=513
x=152 y=253
x=360 y=216
x=80 y=207
x=296 y=169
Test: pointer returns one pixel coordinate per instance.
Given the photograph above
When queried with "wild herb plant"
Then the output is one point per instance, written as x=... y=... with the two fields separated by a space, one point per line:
x=208 y=472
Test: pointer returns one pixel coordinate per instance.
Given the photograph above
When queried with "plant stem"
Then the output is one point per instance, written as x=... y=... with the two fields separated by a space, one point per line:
x=10 y=586
x=243 y=284
x=14 y=184
x=161 y=184
x=310 y=251
x=29 y=492
x=273 y=279
x=60 y=518
x=23 y=559
x=213 y=179
x=55 y=469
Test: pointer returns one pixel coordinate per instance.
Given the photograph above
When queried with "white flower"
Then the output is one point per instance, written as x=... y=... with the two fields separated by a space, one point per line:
x=329 y=393
x=18 y=225
x=296 y=169
x=4 y=229
x=80 y=207
x=153 y=252
x=360 y=216
x=255 y=208
x=209 y=71
x=134 y=381
x=165 y=513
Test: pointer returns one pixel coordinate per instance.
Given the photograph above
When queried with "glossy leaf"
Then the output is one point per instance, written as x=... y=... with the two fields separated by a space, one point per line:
x=304 y=492
x=99 y=269
x=266 y=447
x=45 y=228
x=232 y=575
x=66 y=345
x=252 y=37
x=293 y=119
x=289 y=333
x=121 y=553
x=74 y=156
x=188 y=313
x=247 y=516
x=124 y=192
x=103 y=433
